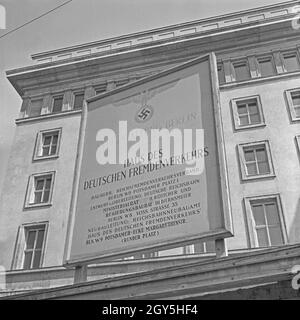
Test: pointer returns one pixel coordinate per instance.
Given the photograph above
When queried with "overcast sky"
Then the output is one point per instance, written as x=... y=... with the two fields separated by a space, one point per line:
x=83 y=21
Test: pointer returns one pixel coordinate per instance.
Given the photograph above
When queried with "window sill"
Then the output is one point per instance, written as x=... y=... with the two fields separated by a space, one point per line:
x=45 y=158
x=258 y=177
x=232 y=84
x=48 y=116
x=249 y=127
x=255 y=246
x=295 y=119
x=37 y=205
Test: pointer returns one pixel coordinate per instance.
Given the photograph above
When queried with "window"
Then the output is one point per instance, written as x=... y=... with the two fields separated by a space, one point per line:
x=149 y=255
x=42 y=187
x=35 y=107
x=100 y=88
x=39 y=190
x=256 y=160
x=47 y=144
x=296 y=103
x=293 y=99
x=241 y=70
x=122 y=82
x=30 y=246
x=290 y=61
x=34 y=241
x=265 y=220
x=221 y=73
x=204 y=247
x=266 y=66
x=247 y=112
x=57 y=104
x=78 y=100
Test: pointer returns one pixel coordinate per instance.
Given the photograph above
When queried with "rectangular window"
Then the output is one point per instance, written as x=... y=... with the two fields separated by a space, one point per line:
x=34 y=244
x=39 y=190
x=122 y=82
x=241 y=70
x=35 y=107
x=42 y=187
x=78 y=100
x=30 y=246
x=293 y=99
x=266 y=66
x=256 y=160
x=296 y=103
x=266 y=222
x=100 y=89
x=290 y=61
x=247 y=112
x=149 y=255
x=204 y=247
x=57 y=104
x=47 y=144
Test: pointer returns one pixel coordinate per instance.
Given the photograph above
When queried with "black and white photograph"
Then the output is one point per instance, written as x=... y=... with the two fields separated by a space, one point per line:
x=149 y=150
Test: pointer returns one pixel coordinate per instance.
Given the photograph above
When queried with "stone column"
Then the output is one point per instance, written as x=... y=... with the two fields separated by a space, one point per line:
x=89 y=92
x=278 y=62
x=227 y=71
x=68 y=101
x=253 y=67
x=47 y=104
x=24 y=112
x=110 y=85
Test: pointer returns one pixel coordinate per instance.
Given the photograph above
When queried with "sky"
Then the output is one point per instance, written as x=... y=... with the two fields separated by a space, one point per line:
x=83 y=21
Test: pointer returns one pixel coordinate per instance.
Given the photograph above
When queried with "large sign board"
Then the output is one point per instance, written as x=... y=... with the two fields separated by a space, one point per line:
x=134 y=195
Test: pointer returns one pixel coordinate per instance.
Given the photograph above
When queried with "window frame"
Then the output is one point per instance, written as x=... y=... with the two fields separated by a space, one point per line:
x=149 y=255
x=121 y=82
x=39 y=144
x=204 y=245
x=78 y=92
x=251 y=225
x=237 y=61
x=234 y=108
x=31 y=188
x=288 y=95
x=35 y=99
x=267 y=56
x=242 y=162
x=100 y=88
x=20 y=245
x=61 y=95
x=36 y=229
x=295 y=52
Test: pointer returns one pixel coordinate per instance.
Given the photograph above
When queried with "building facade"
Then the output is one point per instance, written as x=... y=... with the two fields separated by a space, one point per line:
x=258 y=58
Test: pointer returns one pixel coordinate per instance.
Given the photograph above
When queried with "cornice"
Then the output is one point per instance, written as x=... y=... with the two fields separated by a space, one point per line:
x=46 y=117
x=236 y=20
x=157 y=53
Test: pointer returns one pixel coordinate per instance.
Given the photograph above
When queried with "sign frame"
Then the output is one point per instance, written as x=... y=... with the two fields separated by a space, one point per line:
x=217 y=234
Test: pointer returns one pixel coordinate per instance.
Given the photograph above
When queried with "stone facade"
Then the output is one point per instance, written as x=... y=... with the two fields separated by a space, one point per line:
x=258 y=55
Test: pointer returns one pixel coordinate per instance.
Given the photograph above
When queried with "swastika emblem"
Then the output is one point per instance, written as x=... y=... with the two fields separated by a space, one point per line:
x=144 y=114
